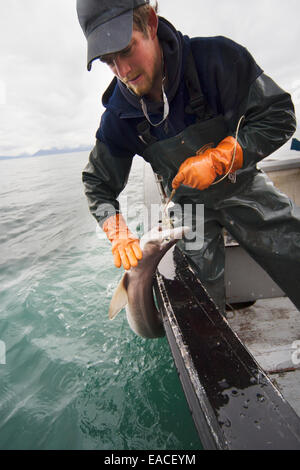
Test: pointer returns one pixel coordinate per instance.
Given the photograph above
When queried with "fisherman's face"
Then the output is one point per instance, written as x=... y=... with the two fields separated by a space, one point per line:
x=139 y=65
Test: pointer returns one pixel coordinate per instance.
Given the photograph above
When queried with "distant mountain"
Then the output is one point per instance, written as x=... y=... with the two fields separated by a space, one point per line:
x=55 y=150
x=23 y=155
x=51 y=151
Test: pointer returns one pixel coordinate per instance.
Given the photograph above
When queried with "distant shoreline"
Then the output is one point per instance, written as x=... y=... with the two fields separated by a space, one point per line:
x=53 y=151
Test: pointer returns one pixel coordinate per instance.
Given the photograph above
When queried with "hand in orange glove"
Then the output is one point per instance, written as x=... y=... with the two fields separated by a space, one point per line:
x=200 y=171
x=125 y=246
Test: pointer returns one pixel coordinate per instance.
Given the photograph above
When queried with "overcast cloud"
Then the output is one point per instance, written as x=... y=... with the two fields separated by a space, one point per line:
x=47 y=97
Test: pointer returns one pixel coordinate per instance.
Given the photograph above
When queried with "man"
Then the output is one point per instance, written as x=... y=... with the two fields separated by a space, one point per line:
x=177 y=102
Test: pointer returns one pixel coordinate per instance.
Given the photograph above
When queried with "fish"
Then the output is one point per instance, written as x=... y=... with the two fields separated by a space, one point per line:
x=134 y=291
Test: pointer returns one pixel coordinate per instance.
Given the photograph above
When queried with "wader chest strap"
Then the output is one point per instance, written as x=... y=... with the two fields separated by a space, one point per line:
x=144 y=133
x=198 y=104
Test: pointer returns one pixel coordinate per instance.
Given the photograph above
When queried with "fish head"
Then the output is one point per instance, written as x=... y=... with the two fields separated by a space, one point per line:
x=163 y=237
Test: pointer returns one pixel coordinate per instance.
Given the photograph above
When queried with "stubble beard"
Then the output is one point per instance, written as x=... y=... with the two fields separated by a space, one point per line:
x=149 y=84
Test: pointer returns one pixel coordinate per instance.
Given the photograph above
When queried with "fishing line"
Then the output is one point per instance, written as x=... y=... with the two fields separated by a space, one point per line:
x=232 y=176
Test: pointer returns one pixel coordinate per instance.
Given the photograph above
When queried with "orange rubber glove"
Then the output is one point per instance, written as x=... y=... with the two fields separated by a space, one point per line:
x=200 y=171
x=125 y=246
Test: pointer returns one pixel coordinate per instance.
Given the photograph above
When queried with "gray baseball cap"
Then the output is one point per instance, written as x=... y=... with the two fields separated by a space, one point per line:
x=107 y=25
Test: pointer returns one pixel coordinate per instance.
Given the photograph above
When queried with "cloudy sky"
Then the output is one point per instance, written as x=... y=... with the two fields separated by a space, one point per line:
x=47 y=97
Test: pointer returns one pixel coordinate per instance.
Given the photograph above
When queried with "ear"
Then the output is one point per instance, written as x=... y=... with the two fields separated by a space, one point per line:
x=152 y=23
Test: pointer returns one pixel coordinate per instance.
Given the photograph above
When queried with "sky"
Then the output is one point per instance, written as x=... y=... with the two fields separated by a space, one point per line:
x=49 y=99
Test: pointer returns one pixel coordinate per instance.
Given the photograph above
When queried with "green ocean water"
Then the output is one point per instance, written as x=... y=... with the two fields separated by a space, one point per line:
x=69 y=377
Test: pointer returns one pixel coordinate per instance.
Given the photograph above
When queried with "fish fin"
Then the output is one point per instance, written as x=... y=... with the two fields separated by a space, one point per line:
x=119 y=299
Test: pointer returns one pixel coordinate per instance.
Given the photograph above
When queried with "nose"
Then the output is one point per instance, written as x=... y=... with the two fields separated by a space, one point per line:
x=122 y=67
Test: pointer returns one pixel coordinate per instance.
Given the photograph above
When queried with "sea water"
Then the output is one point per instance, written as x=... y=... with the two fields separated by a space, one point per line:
x=69 y=377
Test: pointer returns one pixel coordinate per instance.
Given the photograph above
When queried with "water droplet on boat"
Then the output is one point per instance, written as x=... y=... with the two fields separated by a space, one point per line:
x=223 y=383
x=227 y=423
x=246 y=403
x=260 y=397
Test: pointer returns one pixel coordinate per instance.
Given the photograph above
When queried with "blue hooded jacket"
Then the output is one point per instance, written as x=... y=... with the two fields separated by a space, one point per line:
x=226 y=71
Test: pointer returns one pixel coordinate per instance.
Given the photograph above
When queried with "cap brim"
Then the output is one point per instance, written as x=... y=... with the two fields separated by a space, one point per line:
x=109 y=37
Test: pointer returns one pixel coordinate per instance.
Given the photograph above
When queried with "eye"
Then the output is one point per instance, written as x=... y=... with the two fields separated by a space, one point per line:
x=126 y=51
x=106 y=60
